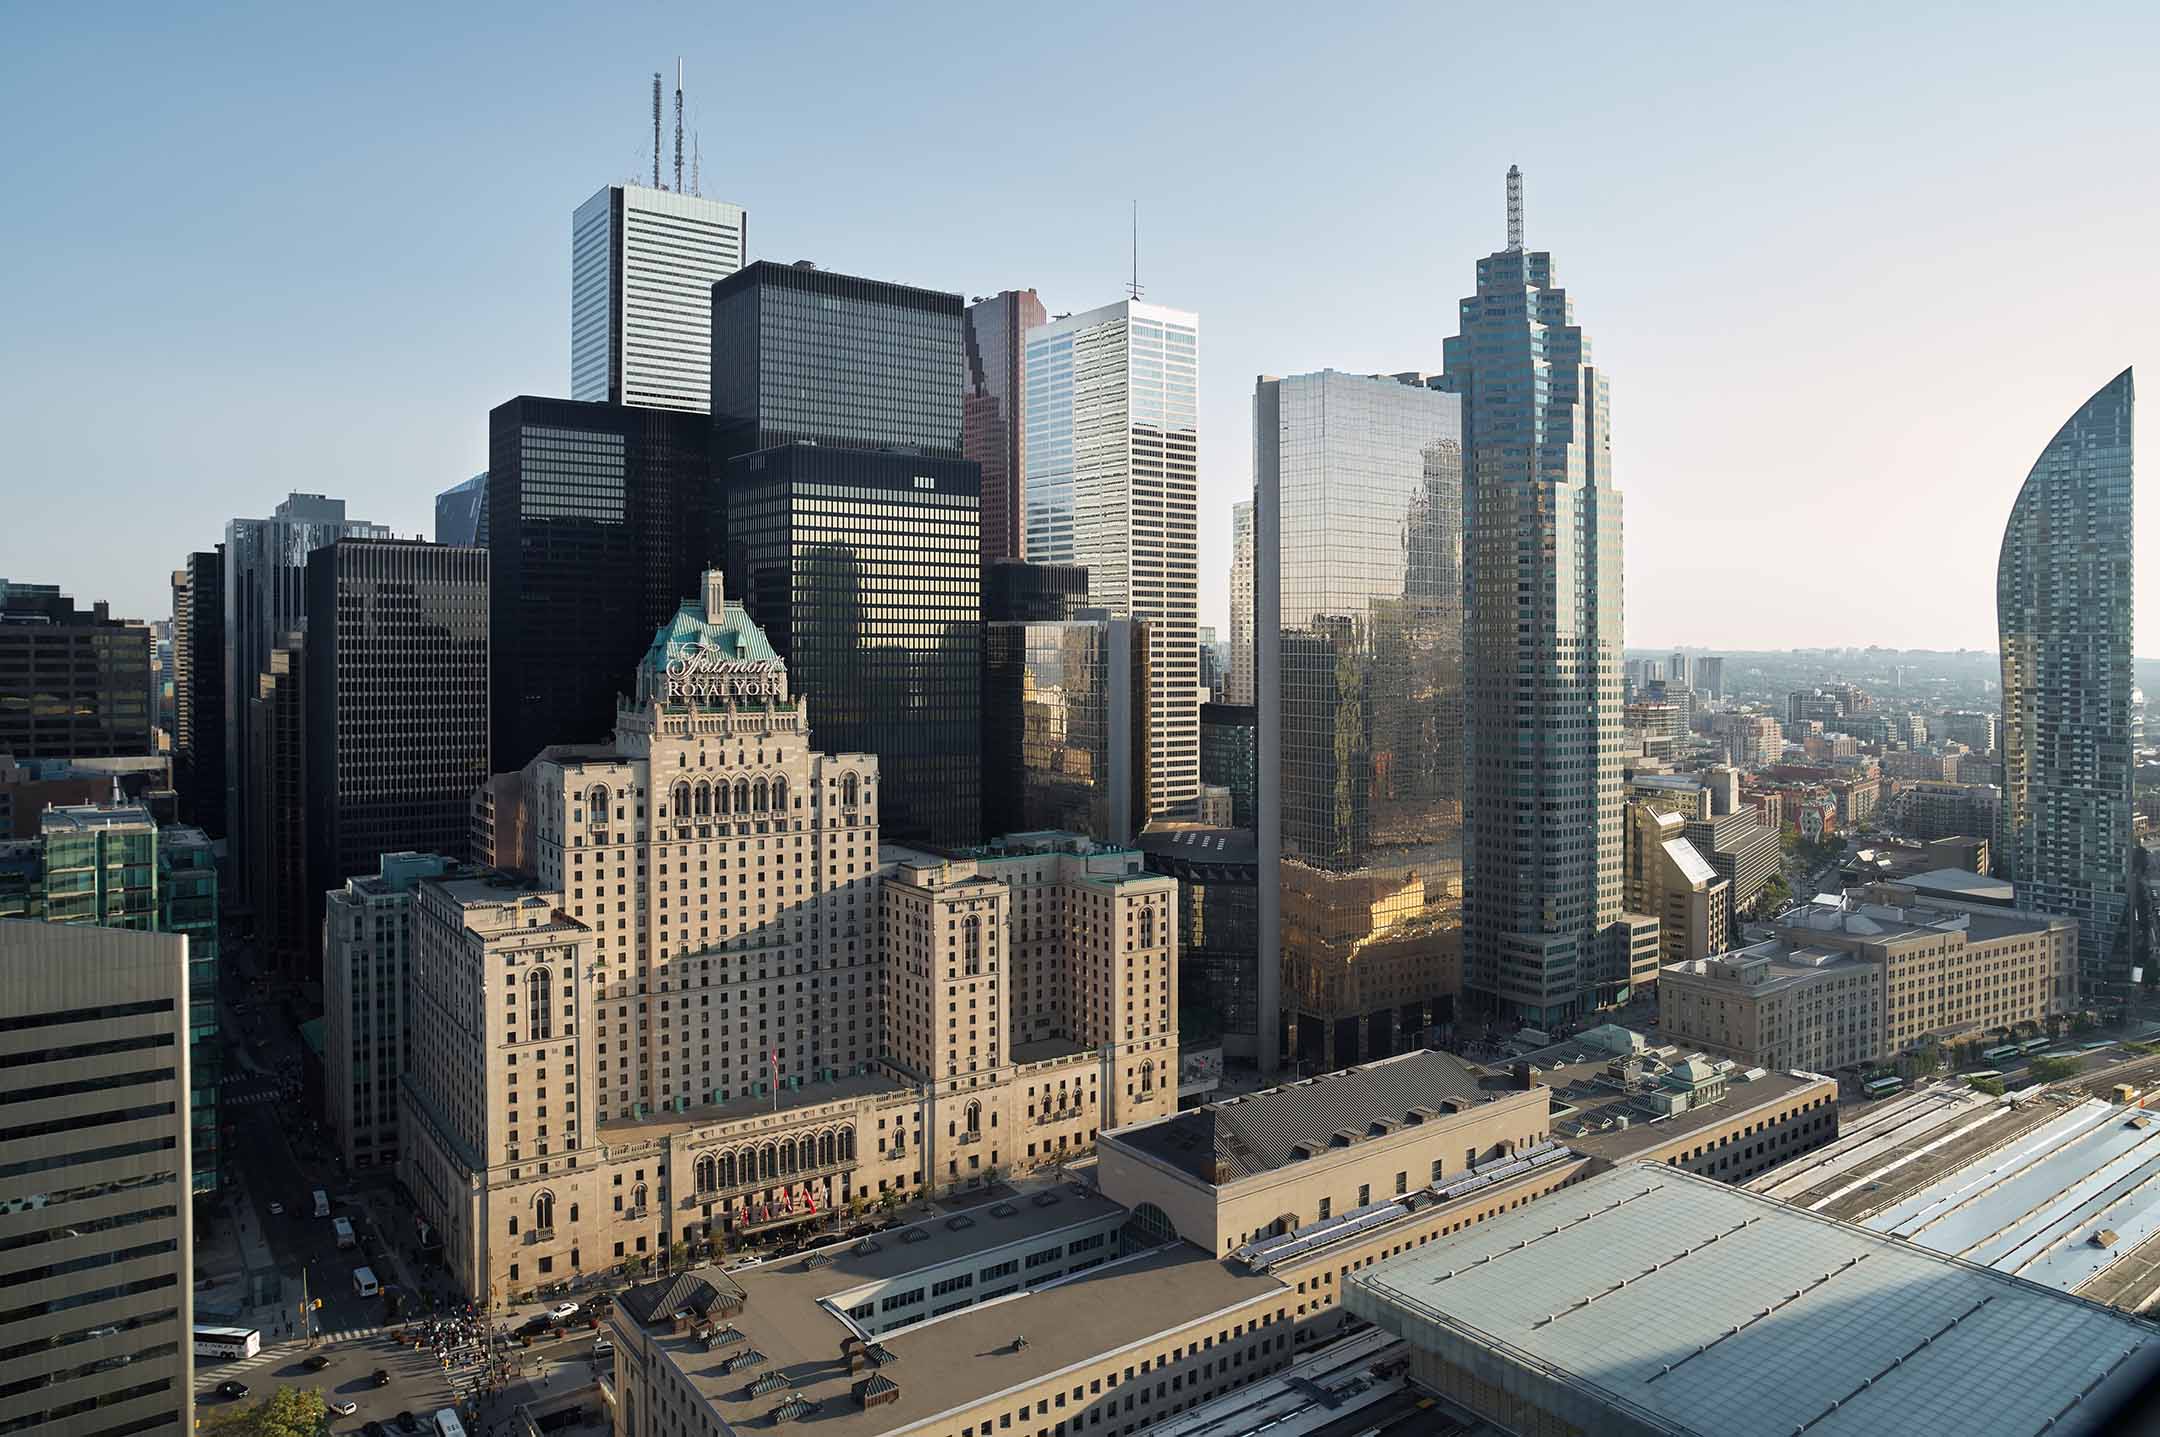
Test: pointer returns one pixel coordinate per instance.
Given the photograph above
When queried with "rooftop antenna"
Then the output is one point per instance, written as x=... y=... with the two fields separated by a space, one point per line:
x=678 y=125
x=695 y=156
x=1133 y=289
x=1514 y=207
x=656 y=129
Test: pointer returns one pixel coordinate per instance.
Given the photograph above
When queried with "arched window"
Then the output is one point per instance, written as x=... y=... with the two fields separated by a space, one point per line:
x=679 y=804
x=1148 y=1227
x=758 y=796
x=1147 y=1076
x=827 y=1149
x=596 y=803
x=1147 y=928
x=539 y=1003
x=971 y=945
x=720 y=798
x=742 y=796
x=727 y=1170
x=708 y=1173
x=543 y=1206
x=847 y=1144
x=849 y=792
x=974 y=1118
x=779 y=795
x=637 y=1198
x=769 y=1162
x=704 y=800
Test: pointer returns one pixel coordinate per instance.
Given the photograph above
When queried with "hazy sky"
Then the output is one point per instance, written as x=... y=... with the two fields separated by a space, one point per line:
x=1847 y=270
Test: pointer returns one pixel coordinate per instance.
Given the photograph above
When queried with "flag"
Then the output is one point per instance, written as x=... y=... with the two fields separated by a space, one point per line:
x=810 y=1196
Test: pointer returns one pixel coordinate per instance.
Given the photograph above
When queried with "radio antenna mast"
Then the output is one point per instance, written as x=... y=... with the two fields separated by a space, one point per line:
x=696 y=154
x=1133 y=289
x=1514 y=207
x=656 y=129
x=678 y=125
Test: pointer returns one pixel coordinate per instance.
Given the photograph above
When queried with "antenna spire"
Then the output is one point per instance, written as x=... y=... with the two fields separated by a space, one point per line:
x=678 y=125
x=696 y=155
x=1514 y=207
x=1133 y=289
x=656 y=129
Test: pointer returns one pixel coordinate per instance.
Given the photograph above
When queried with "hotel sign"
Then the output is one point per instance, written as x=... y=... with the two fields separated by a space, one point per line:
x=706 y=673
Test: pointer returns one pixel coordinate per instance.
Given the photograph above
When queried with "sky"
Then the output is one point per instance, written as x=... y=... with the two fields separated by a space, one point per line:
x=1847 y=267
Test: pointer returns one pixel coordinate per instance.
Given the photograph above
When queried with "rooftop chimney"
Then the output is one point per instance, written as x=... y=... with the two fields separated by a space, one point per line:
x=715 y=596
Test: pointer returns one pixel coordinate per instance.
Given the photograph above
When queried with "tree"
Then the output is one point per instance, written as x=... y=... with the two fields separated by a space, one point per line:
x=2052 y=1070
x=1923 y=1061
x=287 y=1412
x=1993 y=1087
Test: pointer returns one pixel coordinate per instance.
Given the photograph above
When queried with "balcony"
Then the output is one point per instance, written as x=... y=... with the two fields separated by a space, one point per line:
x=539 y=1234
x=966 y=1138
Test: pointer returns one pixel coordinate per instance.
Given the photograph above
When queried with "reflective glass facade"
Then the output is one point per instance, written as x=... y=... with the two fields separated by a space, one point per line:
x=461 y=513
x=597 y=523
x=74 y=683
x=1220 y=991
x=990 y=418
x=199 y=690
x=2063 y=606
x=1542 y=649
x=865 y=571
x=1358 y=624
x=1112 y=475
x=1241 y=686
x=806 y=355
x=642 y=266
x=1064 y=743
x=1230 y=757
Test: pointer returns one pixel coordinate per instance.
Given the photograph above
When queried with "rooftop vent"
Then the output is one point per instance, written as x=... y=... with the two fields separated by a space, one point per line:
x=1003 y=1209
x=959 y=1222
x=914 y=1234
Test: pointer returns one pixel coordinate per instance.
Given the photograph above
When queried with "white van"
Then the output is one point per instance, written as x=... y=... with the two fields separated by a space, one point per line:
x=364 y=1283
x=447 y=1424
x=322 y=1203
x=343 y=1227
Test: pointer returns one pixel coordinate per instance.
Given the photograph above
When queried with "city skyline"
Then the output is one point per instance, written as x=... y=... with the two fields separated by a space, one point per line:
x=464 y=311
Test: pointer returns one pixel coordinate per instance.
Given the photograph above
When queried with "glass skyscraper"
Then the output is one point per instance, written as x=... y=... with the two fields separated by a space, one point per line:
x=1357 y=618
x=1065 y=727
x=990 y=417
x=642 y=266
x=2063 y=607
x=1542 y=646
x=1112 y=476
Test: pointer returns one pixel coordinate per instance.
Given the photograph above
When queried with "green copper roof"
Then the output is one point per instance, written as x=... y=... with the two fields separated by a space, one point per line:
x=735 y=637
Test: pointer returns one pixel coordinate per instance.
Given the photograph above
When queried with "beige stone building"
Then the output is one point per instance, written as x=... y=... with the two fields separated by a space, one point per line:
x=1666 y=878
x=764 y=1018
x=1858 y=982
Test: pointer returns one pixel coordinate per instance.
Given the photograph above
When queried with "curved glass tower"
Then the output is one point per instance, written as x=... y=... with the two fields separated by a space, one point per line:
x=2062 y=605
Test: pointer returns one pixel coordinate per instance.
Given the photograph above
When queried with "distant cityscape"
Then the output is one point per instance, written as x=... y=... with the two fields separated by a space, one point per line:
x=779 y=911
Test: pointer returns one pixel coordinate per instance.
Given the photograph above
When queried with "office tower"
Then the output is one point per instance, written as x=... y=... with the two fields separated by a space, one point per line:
x=1240 y=690
x=1065 y=727
x=74 y=683
x=1542 y=869
x=2063 y=608
x=199 y=689
x=367 y=964
x=397 y=703
x=1357 y=638
x=277 y=871
x=461 y=512
x=804 y=355
x=1667 y=878
x=1017 y=592
x=865 y=570
x=642 y=265
x=991 y=432
x=1710 y=677
x=1677 y=671
x=597 y=524
x=265 y=601
x=1230 y=757
x=850 y=516
x=1113 y=456
x=1207 y=653
x=97 y=1226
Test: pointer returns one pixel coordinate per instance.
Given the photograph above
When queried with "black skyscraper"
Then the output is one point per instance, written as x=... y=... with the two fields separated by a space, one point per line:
x=865 y=571
x=397 y=702
x=1017 y=592
x=856 y=525
x=74 y=683
x=597 y=526
x=199 y=690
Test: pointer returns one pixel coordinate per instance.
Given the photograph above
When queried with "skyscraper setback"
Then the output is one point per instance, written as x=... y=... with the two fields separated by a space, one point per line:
x=1113 y=456
x=2063 y=607
x=1542 y=869
x=642 y=266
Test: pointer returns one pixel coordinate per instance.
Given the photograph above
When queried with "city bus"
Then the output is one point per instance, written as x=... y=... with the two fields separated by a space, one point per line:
x=1981 y=1073
x=2002 y=1054
x=228 y=1342
x=1882 y=1087
x=2033 y=1045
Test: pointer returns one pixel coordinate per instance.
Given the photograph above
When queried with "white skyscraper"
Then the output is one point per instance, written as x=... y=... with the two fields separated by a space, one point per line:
x=643 y=263
x=1241 y=602
x=1113 y=462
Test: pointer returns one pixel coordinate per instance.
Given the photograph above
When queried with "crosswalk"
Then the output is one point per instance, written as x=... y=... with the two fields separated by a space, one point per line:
x=291 y=1350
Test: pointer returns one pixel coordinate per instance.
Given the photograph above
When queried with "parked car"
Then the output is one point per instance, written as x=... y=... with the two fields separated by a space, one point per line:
x=315 y=1362
x=381 y=1377
x=374 y=1429
x=344 y=1408
x=232 y=1389
x=563 y=1311
x=277 y=1209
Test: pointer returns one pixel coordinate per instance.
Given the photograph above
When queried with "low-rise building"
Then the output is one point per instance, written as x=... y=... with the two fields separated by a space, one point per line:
x=1857 y=982
x=1649 y=1302
x=1665 y=877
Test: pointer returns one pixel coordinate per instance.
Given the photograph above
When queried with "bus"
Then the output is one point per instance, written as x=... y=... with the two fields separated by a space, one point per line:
x=2002 y=1054
x=2033 y=1045
x=1981 y=1073
x=228 y=1342
x=447 y=1424
x=1882 y=1087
